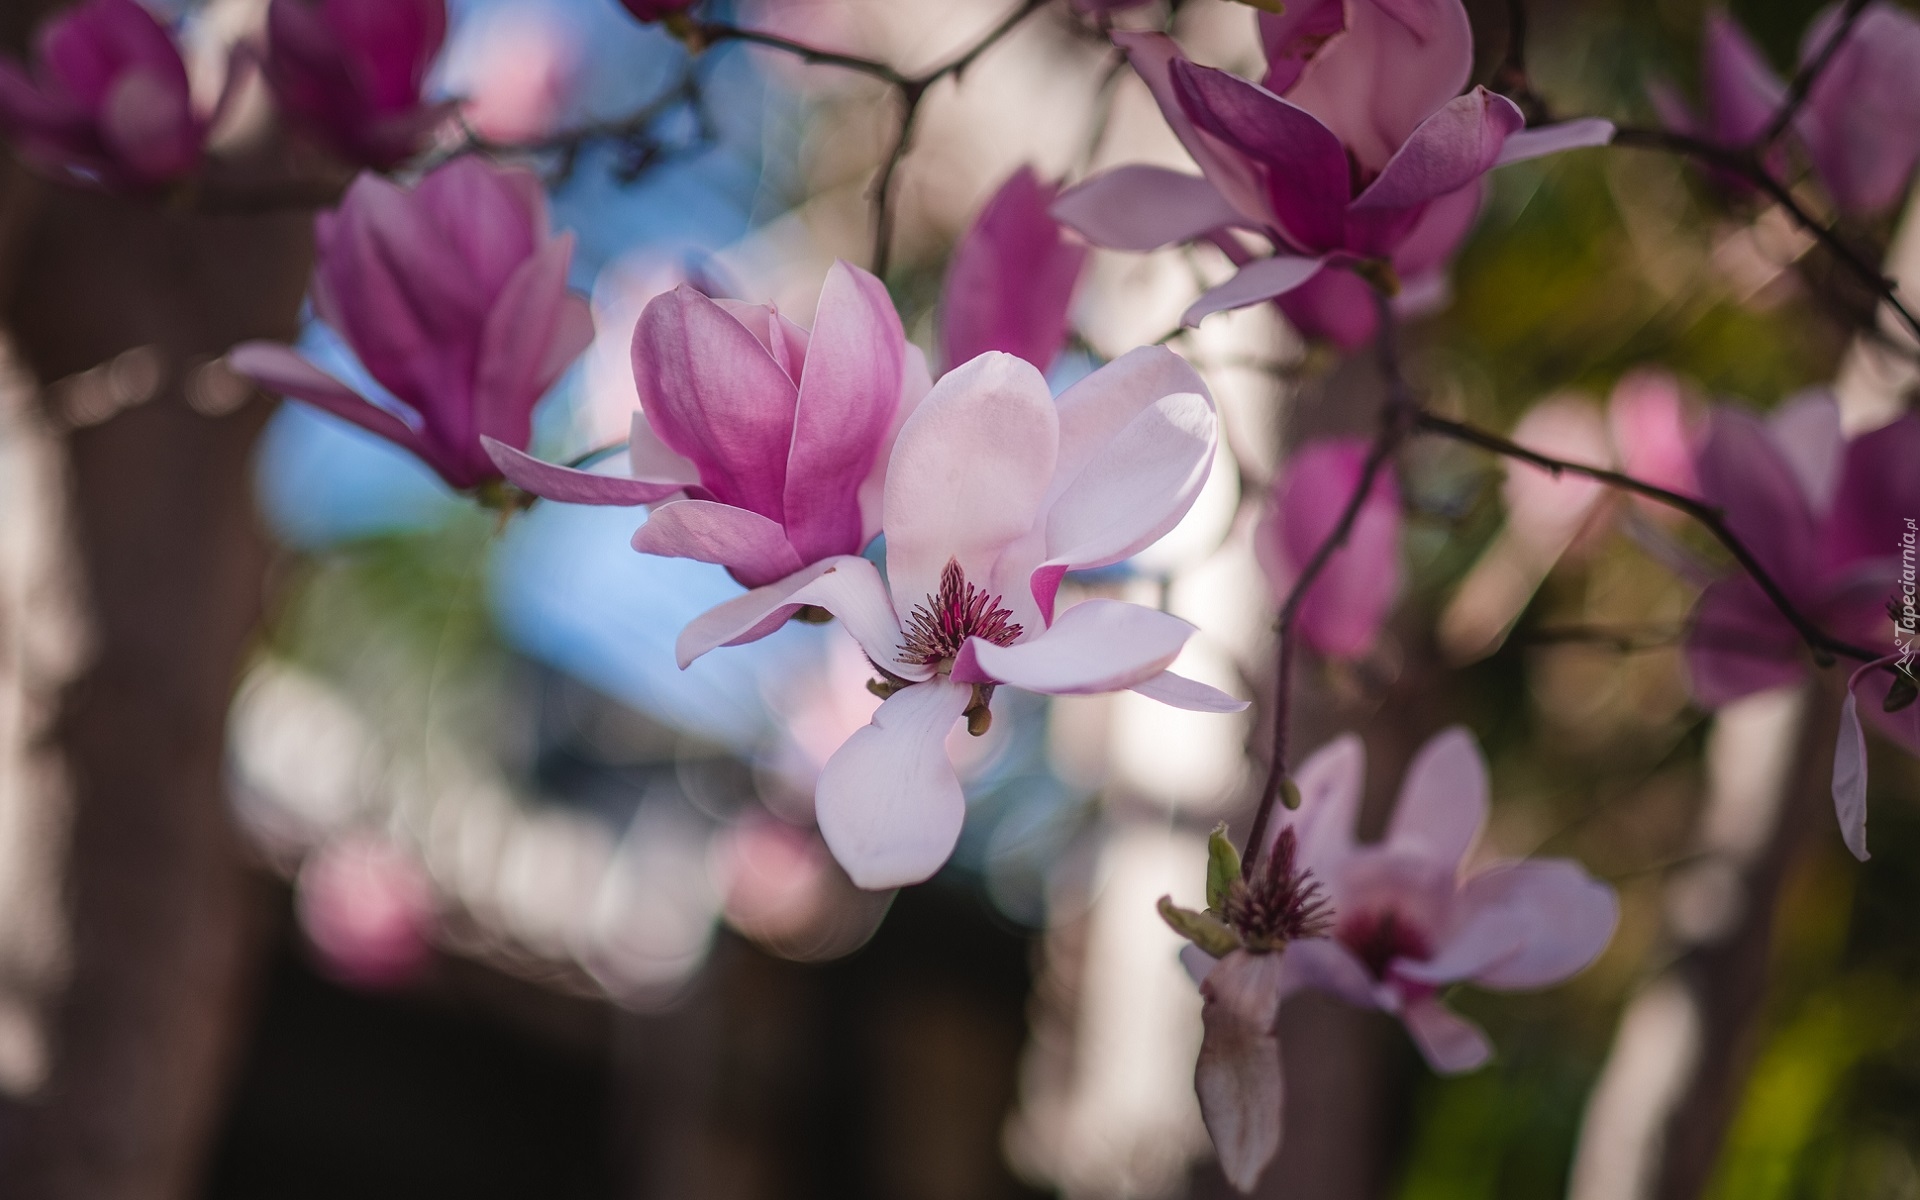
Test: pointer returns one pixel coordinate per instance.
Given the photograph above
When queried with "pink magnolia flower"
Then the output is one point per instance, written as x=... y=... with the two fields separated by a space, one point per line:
x=1345 y=608
x=349 y=72
x=1357 y=146
x=454 y=296
x=368 y=909
x=993 y=492
x=766 y=443
x=1823 y=515
x=107 y=103
x=1861 y=122
x=1012 y=277
x=1406 y=921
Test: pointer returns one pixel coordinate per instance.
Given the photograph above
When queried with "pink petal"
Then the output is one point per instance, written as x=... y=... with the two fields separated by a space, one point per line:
x=652 y=459
x=1647 y=417
x=1878 y=492
x=1740 y=90
x=848 y=395
x=847 y=586
x=1523 y=925
x=1335 y=306
x=1398 y=63
x=278 y=369
x=785 y=342
x=714 y=395
x=1138 y=207
x=1543 y=140
x=1806 y=431
x=1137 y=488
x=568 y=485
x=1095 y=646
x=746 y=543
x=1012 y=277
x=535 y=331
x=1739 y=644
x=1178 y=691
x=1324 y=965
x=1294 y=35
x=968 y=474
x=1431 y=241
x=1262 y=279
x=888 y=802
x=1348 y=603
x=1331 y=783
x=1450 y=1043
x=1450 y=149
x=1238 y=180
x=1443 y=803
x=1237 y=1077
x=1862 y=119
x=1744 y=472
x=1094 y=411
x=1850 y=775
x=148 y=124
x=1307 y=175
x=915 y=382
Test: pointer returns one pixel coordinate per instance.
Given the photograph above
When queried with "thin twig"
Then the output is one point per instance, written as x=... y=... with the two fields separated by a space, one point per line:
x=1709 y=517
x=1806 y=77
x=1510 y=77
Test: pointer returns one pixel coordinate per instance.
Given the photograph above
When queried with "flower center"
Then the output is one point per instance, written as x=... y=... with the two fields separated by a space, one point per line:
x=1280 y=903
x=935 y=630
x=1378 y=938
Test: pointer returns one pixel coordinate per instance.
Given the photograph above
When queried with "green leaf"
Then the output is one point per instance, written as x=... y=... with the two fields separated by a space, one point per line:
x=1223 y=867
x=1199 y=928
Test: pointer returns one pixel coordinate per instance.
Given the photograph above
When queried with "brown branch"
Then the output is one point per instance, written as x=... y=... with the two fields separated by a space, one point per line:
x=1712 y=519
x=1510 y=78
x=1806 y=77
x=1745 y=165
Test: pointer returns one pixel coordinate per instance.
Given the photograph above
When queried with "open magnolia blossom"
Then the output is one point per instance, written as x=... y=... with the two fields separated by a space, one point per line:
x=453 y=294
x=1861 y=120
x=1348 y=603
x=1406 y=921
x=108 y=104
x=1012 y=277
x=763 y=446
x=1358 y=146
x=350 y=73
x=1824 y=516
x=994 y=491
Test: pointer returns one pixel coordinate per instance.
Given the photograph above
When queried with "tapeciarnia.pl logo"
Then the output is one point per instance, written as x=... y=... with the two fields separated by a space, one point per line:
x=1907 y=613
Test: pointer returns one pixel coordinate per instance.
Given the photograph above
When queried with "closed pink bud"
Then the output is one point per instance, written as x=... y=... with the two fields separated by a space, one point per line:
x=454 y=296
x=656 y=10
x=1348 y=603
x=107 y=103
x=1012 y=277
x=349 y=73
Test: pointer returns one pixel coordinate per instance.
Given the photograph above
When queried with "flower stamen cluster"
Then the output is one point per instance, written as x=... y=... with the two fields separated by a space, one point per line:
x=936 y=630
x=1281 y=903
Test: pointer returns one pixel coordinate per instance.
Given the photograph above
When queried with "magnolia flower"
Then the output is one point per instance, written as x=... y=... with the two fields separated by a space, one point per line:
x=1358 y=146
x=1823 y=516
x=993 y=492
x=1861 y=120
x=766 y=443
x=1012 y=277
x=1405 y=922
x=107 y=103
x=349 y=72
x=1348 y=603
x=454 y=296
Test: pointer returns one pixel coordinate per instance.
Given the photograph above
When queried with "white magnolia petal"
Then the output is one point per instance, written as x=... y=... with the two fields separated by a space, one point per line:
x=1262 y=279
x=1450 y=1043
x=752 y=614
x=1137 y=487
x=1180 y=692
x=1095 y=646
x=1238 y=1076
x=888 y=802
x=1443 y=802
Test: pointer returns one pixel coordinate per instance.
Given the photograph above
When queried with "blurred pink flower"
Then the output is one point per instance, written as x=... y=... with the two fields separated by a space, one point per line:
x=993 y=492
x=454 y=296
x=1345 y=608
x=350 y=72
x=657 y=10
x=773 y=439
x=1861 y=122
x=367 y=908
x=1653 y=433
x=1874 y=681
x=108 y=102
x=1012 y=278
x=518 y=71
x=1823 y=515
x=1357 y=146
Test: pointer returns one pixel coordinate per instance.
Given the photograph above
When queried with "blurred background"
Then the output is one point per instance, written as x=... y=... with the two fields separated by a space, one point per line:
x=354 y=842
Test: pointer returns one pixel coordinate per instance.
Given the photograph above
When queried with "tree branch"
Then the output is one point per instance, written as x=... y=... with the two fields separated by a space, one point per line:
x=1806 y=77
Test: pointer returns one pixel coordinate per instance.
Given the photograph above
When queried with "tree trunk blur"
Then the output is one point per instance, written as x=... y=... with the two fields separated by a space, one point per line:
x=138 y=994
